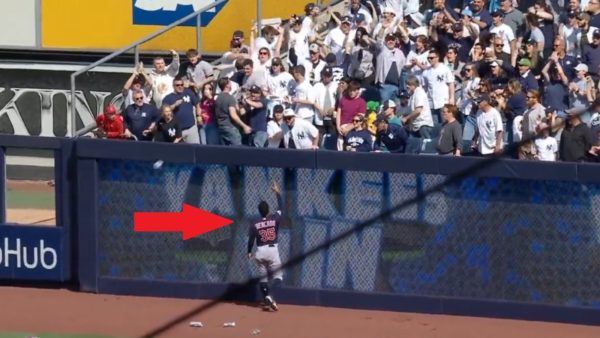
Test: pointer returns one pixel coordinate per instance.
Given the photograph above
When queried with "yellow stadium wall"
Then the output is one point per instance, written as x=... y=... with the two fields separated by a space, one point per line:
x=108 y=25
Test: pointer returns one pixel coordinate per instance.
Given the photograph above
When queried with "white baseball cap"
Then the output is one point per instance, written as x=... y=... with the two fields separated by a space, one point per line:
x=289 y=113
x=582 y=67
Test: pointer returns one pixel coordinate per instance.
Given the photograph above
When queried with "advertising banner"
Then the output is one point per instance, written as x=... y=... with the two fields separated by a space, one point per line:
x=117 y=23
x=31 y=253
x=36 y=101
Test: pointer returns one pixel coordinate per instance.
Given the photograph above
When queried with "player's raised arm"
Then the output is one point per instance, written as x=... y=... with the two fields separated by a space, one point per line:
x=277 y=192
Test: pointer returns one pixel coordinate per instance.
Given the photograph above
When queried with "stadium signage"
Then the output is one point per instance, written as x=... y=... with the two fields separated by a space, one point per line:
x=31 y=253
x=164 y=12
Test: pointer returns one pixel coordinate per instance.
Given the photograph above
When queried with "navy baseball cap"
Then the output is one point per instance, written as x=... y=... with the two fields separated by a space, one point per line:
x=255 y=89
x=404 y=93
x=481 y=98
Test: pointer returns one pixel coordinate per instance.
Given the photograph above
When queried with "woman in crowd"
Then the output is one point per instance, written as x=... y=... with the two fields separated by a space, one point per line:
x=469 y=94
x=209 y=133
x=167 y=129
x=359 y=138
x=361 y=66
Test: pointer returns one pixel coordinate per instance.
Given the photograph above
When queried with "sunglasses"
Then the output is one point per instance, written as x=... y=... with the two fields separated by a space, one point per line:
x=431 y=57
x=178 y=84
x=288 y=117
x=138 y=98
x=356 y=121
x=263 y=53
x=499 y=45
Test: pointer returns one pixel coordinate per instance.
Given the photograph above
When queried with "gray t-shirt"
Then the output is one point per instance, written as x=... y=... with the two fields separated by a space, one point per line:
x=199 y=72
x=222 y=104
x=450 y=138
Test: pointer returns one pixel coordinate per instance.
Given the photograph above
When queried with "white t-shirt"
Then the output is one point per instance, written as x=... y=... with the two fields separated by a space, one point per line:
x=546 y=148
x=506 y=33
x=305 y=91
x=335 y=41
x=261 y=42
x=419 y=99
x=470 y=88
x=299 y=41
x=303 y=133
x=421 y=59
x=280 y=85
x=436 y=81
x=313 y=73
x=488 y=124
x=320 y=91
x=275 y=134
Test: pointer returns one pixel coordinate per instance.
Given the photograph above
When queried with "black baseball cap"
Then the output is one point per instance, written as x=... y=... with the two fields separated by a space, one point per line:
x=403 y=93
x=255 y=89
x=380 y=119
x=330 y=58
x=327 y=71
x=238 y=34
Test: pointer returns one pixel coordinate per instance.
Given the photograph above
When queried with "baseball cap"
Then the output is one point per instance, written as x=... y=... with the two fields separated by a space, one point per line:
x=110 y=109
x=403 y=93
x=289 y=113
x=276 y=61
x=573 y=14
x=388 y=9
x=467 y=12
x=314 y=48
x=531 y=42
x=360 y=18
x=596 y=34
x=255 y=89
x=498 y=13
x=278 y=109
x=330 y=58
x=347 y=19
x=238 y=34
x=389 y=104
x=494 y=64
x=482 y=98
x=327 y=71
x=582 y=67
x=309 y=7
x=379 y=119
x=390 y=37
x=457 y=27
x=525 y=62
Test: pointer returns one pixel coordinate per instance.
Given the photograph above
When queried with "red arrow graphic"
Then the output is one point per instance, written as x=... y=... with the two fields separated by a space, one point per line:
x=192 y=222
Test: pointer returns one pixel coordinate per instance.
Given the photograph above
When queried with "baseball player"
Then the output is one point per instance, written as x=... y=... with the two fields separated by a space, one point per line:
x=265 y=232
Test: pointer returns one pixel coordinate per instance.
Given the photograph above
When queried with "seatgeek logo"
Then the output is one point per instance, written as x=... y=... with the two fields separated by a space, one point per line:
x=14 y=254
x=165 y=12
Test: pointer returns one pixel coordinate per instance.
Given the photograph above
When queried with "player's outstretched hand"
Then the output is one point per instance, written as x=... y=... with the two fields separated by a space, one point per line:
x=275 y=188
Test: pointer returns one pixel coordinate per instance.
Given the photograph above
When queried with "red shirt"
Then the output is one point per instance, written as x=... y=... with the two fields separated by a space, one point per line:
x=113 y=128
x=351 y=107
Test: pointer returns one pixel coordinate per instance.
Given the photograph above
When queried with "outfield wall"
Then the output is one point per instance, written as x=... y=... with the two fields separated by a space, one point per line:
x=511 y=239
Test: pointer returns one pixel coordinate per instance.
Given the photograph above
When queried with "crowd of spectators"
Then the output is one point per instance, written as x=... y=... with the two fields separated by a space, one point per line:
x=449 y=77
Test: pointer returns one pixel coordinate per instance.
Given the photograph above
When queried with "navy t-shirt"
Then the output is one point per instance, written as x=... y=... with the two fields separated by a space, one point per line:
x=517 y=104
x=360 y=140
x=557 y=96
x=137 y=119
x=394 y=138
x=463 y=45
x=258 y=117
x=168 y=131
x=185 y=112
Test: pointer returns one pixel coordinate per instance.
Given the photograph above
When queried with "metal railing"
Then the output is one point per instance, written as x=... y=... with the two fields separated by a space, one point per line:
x=72 y=121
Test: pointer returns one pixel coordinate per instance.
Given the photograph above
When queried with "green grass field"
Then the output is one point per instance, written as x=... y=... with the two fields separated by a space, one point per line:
x=29 y=200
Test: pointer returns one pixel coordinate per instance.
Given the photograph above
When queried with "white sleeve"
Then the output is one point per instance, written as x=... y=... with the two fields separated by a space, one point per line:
x=498 y=121
x=449 y=76
x=421 y=99
x=510 y=35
